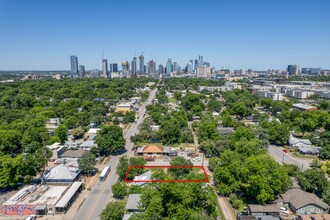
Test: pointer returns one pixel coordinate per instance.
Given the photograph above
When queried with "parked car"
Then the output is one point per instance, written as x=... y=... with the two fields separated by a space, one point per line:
x=149 y=159
x=196 y=159
x=284 y=209
x=189 y=153
x=31 y=217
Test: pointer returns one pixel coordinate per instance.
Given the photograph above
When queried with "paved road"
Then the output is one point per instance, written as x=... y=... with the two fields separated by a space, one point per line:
x=282 y=157
x=101 y=193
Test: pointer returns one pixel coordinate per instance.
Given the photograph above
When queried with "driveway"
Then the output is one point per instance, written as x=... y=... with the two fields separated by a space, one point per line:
x=282 y=157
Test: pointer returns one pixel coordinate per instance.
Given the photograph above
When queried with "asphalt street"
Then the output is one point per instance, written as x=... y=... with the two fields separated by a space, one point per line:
x=281 y=157
x=101 y=193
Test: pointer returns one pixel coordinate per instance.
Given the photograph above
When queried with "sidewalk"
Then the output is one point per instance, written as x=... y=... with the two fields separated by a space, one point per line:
x=226 y=208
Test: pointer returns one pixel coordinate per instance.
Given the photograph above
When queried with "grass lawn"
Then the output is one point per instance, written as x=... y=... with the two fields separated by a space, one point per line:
x=305 y=156
x=173 y=100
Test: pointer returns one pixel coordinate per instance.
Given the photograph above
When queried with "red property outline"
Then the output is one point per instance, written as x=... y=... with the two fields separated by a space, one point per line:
x=166 y=181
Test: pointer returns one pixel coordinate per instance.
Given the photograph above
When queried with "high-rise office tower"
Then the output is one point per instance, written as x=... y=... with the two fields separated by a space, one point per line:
x=105 y=73
x=175 y=66
x=152 y=68
x=200 y=60
x=293 y=70
x=141 y=64
x=74 y=66
x=196 y=64
x=160 y=69
x=81 y=71
x=134 y=67
x=113 y=67
x=190 y=67
x=169 y=66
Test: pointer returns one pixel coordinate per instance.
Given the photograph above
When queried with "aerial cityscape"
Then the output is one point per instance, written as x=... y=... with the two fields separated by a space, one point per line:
x=165 y=110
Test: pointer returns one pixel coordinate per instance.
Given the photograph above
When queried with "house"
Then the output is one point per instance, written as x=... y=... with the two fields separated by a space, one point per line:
x=295 y=142
x=314 y=217
x=301 y=202
x=91 y=131
x=304 y=146
x=87 y=145
x=143 y=177
x=73 y=153
x=154 y=128
x=132 y=204
x=308 y=149
x=62 y=174
x=153 y=150
x=260 y=210
x=225 y=130
x=124 y=107
x=304 y=107
x=52 y=123
x=135 y=100
x=57 y=150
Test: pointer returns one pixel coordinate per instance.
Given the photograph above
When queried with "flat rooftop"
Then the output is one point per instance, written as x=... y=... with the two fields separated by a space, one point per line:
x=37 y=194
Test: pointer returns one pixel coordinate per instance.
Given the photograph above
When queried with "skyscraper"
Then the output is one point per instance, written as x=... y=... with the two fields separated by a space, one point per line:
x=81 y=71
x=196 y=64
x=190 y=67
x=160 y=69
x=105 y=73
x=175 y=66
x=293 y=69
x=141 y=64
x=74 y=66
x=134 y=67
x=169 y=66
x=200 y=60
x=113 y=67
x=152 y=68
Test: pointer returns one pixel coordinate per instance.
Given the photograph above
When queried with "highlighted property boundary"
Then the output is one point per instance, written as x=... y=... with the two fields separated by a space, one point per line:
x=206 y=180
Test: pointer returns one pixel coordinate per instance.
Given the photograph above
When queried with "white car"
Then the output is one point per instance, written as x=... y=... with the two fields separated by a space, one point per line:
x=196 y=159
x=284 y=209
x=31 y=217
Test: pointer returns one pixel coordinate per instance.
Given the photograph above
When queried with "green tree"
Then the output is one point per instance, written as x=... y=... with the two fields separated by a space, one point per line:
x=109 y=139
x=214 y=106
x=180 y=172
x=36 y=162
x=87 y=162
x=325 y=152
x=78 y=133
x=122 y=167
x=119 y=190
x=170 y=131
x=62 y=133
x=314 y=180
x=113 y=211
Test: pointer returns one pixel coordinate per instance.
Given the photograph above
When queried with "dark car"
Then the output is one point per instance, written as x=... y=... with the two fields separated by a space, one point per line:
x=150 y=159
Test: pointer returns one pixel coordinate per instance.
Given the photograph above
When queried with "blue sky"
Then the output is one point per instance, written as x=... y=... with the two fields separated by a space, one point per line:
x=257 y=34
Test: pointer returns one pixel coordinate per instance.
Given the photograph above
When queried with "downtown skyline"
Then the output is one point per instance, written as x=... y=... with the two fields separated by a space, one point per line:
x=232 y=34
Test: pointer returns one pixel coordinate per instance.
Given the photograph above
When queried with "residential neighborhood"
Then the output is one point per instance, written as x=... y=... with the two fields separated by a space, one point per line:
x=213 y=127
